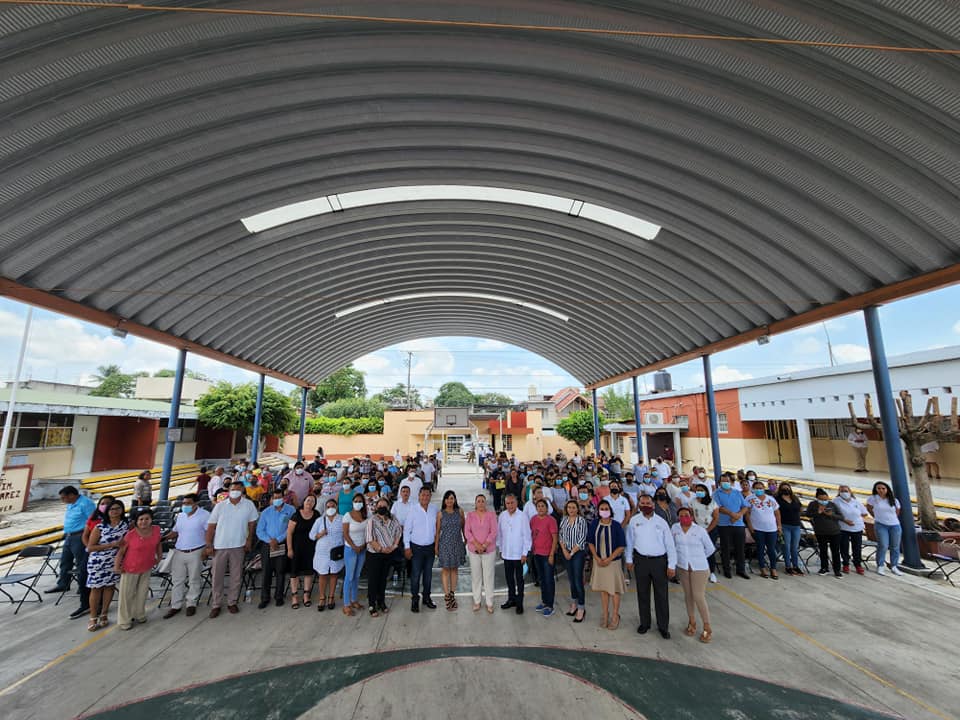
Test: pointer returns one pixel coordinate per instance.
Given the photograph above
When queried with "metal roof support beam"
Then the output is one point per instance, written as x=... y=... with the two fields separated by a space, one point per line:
x=636 y=424
x=891 y=437
x=712 y=418
x=596 y=425
x=172 y=423
x=303 y=421
x=257 y=418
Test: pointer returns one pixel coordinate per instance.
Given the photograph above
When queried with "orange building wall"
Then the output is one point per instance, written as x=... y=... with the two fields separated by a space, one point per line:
x=694 y=406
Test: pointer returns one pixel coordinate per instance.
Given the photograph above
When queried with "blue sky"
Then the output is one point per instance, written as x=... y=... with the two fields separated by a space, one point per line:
x=68 y=350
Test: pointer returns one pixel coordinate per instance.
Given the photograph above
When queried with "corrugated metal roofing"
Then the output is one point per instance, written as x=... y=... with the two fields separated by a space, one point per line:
x=785 y=178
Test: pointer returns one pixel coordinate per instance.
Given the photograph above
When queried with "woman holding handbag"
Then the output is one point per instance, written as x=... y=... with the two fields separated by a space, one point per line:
x=327 y=531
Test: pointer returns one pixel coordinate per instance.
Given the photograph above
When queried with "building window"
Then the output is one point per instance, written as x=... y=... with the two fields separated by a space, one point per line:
x=31 y=431
x=722 y=424
x=829 y=429
x=780 y=429
x=507 y=443
x=683 y=420
x=188 y=431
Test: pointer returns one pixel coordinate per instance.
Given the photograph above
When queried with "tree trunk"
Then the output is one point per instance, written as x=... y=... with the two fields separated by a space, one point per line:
x=925 y=507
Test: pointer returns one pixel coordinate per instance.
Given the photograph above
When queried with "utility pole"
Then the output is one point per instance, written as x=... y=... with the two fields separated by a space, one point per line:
x=409 y=362
x=833 y=360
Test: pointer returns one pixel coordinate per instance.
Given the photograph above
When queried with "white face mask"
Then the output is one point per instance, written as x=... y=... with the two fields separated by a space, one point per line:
x=357 y=505
x=236 y=494
x=299 y=471
x=845 y=495
x=331 y=512
x=701 y=475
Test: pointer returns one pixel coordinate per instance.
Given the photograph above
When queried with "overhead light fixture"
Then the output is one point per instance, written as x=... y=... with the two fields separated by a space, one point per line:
x=338 y=202
x=118 y=332
x=763 y=340
x=452 y=294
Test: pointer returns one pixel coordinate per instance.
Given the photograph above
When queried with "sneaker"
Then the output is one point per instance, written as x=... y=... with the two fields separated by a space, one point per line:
x=713 y=577
x=881 y=570
x=895 y=570
x=860 y=570
x=824 y=571
x=846 y=568
x=548 y=611
x=540 y=608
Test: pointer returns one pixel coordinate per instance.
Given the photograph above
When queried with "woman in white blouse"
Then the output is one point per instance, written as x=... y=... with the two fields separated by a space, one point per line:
x=694 y=546
x=706 y=513
x=885 y=509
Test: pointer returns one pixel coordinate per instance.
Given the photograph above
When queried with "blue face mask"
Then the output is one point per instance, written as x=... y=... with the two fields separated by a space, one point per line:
x=823 y=502
x=759 y=492
x=701 y=494
x=654 y=473
x=371 y=488
x=278 y=502
x=725 y=485
x=187 y=509
x=584 y=496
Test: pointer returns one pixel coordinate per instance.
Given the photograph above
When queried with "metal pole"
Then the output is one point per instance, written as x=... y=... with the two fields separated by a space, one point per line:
x=303 y=421
x=257 y=415
x=712 y=418
x=8 y=423
x=891 y=435
x=596 y=425
x=636 y=421
x=172 y=423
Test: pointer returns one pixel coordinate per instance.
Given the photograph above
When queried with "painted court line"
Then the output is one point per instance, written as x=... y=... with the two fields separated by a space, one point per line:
x=816 y=643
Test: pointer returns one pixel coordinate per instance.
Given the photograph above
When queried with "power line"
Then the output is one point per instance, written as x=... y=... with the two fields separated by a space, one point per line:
x=497 y=26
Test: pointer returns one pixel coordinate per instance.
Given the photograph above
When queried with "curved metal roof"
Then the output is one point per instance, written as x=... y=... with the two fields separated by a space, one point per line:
x=787 y=180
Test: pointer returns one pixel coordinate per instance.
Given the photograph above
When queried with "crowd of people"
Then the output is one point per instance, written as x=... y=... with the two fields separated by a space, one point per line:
x=325 y=523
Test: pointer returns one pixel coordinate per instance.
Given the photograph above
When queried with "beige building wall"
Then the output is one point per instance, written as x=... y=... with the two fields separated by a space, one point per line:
x=183 y=452
x=735 y=453
x=52 y=462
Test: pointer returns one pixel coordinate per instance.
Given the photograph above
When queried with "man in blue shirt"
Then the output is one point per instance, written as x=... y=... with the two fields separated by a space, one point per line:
x=79 y=509
x=272 y=532
x=732 y=529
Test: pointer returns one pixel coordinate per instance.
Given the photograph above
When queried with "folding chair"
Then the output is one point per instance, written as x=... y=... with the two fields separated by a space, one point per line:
x=948 y=557
x=27 y=580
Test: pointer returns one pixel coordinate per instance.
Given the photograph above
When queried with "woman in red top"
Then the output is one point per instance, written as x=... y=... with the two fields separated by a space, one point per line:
x=139 y=551
x=543 y=531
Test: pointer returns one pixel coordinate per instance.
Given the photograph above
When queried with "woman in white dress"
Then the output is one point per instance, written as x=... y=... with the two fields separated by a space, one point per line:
x=328 y=532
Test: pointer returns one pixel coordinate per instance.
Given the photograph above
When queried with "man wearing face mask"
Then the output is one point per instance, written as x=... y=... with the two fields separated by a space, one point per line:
x=733 y=506
x=299 y=482
x=272 y=533
x=412 y=481
x=230 y=532
x=651 y=549
x=189 y=534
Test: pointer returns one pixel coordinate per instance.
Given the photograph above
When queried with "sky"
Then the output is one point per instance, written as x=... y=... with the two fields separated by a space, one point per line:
x=68 y=350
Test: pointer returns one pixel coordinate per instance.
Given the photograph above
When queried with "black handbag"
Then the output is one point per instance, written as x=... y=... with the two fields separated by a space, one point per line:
x=336 y=552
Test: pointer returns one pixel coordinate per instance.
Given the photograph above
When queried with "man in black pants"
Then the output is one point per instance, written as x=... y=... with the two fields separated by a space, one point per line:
x=514 y=541
x=733 y=507
x=653 y=557
x=272 y=533
x=419 y=534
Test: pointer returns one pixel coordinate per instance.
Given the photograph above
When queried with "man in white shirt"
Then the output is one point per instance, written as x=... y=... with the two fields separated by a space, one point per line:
x=663 y=470
x=401 y=507
x=651 y=549
x=230 y=530
x=413 y=482
x=851 y=528
x=397 y=458
x=216 y=482
x=514 y=541
x=419 y=535
x=186 y=564
x=858 y=441
x=576 y=459
x=428 y=469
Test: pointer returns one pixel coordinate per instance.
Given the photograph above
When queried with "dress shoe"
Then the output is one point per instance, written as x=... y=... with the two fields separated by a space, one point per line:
x=55 y=590
x=233 y=609
x=80 y=612
x=665 y=634
x=743 y=575
x=171 y=612
x=727 y=574
x=508 y=604
x=262 y=604
x=415 y=605
x=642 y=630
x=519 y=609
x=279 y=602
x=191 y=610
x=428 y=603
x=214 y=613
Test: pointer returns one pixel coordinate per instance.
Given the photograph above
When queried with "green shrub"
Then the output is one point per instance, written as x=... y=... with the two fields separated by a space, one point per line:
x=345 y=426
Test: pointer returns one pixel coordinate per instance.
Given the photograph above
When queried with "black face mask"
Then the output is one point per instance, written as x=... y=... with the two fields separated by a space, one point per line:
x=383 y=511
x=661 y=497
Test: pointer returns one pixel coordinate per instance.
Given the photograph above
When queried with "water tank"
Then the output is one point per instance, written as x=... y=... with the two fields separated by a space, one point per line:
x=662 y=381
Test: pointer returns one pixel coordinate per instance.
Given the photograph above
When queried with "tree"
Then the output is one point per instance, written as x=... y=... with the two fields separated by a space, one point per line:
x=396 y=397
x=353 y=408
x=577 y=427
x=192 y=374
x=492 y=398
x=232 y=407
x=617 y=406
x=347 y=382
x=916 y=432
x=454 y=394
x=114 y=383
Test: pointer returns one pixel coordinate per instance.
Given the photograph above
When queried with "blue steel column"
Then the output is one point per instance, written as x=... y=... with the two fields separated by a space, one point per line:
x=303 y=421
x=255 y=450
x=636 y=415
x=596 y=425
x=891 y=435
x=172 y=423
x=712 y=418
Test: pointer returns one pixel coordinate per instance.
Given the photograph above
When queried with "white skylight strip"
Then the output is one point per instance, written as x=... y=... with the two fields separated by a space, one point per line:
x=438 y=294
x=287 y=214
x=412 y=193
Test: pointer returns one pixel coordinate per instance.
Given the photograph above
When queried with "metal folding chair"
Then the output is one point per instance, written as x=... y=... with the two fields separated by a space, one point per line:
x=26 y=580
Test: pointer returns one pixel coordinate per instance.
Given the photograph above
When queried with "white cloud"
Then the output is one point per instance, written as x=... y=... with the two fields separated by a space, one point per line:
x=487 y=344
x=956 y=327
x=721 y=374
x=850 y=353
x=834 y=325
x=808 y=346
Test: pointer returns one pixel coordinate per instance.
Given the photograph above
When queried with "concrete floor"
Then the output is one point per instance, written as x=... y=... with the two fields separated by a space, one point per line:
x=875 y=644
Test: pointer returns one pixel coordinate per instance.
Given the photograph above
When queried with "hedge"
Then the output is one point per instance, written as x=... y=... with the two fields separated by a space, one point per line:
x=344 y=426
